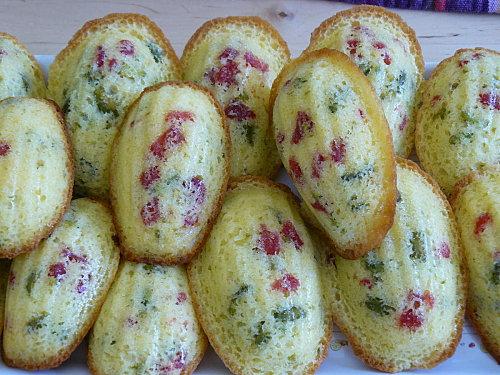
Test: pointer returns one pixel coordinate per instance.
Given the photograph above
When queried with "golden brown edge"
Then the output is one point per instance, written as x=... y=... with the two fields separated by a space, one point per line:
x=6 y=265
x=37 y=67
x=459 y=188
x=128 y=252
x=386 y=214
x=65 y=352
x=201 y=33
x=434 y=73
x=379 y=13
x=202 y=346
x=231 y=365
x=124 y=18
x=447 y=352
x=44 y=232
x=188 y=370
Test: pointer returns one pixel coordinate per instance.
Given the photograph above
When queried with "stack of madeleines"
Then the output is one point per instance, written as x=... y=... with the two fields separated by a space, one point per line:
x=169 y=163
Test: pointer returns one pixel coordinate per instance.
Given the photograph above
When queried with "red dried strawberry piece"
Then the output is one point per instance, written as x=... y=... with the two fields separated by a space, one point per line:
x=268 y=241
x=435 y=99
x=475 y=56
x=56 y=270
x=224 y=75
x=295 y=170
x=404 y=123
x=411 y=320
x=255 y=62
x=150 y=176
x=303 y=123
x=196 y=192
x=181 y=297
x=482 y=223
x=361 y=113
x=352 y=44
x=168 y=140
x=191 y=219
x=150 y=212
x=338 y=150
x=317 y=205
x=366 y=282
x=317 y=165
x=444 y=250
x=289 y=232
x=100 y=56
x=229 y=54
x=196 y=189
x=72 y=257
x=178 y=117
x=239 y=111
x=489 y=99
x=126 y=47
x=80 y=286
x=387 y=59
x=4 y=148
x=378 y=45
x=177 y=363
x=286 y=284
x=112 y=63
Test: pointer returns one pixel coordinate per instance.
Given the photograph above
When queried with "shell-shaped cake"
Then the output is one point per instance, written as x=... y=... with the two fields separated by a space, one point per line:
x=237 y=59
x=169 y=173
x=334 y=142
x=20 y=73
x=387 y=51
x=147 y=324
x=476 y=203
x=55 y=293
x=256 y=285
x=401 y=306
x=458 y=116
x=36 y=173
x=103 y=69
x=4 y=276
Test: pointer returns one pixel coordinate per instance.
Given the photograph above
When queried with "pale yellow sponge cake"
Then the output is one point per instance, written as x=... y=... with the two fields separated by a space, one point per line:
x=237 y=59
x=334 y=142
x=36 y=172
x=55 y=292
x=20 y=73
x=147 y=324
x=4 y=276
x=104 y=68
x=401 y=306
x=169 y=173
x=256 y=286
x=476 y=203
x=458 y=116
x=387 y=51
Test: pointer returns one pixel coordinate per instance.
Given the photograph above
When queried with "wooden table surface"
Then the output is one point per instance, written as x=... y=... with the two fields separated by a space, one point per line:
x=46 y=25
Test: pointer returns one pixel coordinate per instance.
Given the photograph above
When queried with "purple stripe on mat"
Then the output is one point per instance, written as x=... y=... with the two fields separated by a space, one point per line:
x=465 y=6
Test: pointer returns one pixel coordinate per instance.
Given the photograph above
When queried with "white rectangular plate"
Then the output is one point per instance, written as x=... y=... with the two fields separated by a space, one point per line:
x=469 y=358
